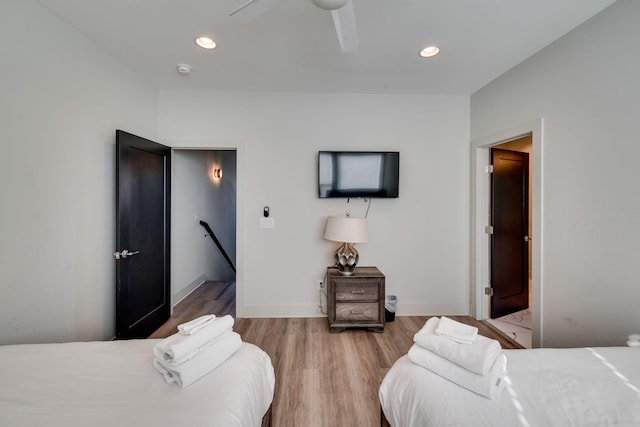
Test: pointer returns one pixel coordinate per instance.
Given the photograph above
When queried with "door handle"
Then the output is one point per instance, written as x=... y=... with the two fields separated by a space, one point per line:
x=527 y=238
x=125 y=253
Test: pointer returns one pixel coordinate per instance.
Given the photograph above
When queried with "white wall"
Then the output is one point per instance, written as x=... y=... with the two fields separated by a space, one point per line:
x=419 y=241
x=585 y=87
x=197 y=195
x=62 y=99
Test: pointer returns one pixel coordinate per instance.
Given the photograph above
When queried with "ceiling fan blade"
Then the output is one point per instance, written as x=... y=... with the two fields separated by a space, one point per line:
x=253 y=9
x=344 y=20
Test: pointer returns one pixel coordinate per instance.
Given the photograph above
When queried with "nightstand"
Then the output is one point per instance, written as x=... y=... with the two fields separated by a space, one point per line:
x=355 y=301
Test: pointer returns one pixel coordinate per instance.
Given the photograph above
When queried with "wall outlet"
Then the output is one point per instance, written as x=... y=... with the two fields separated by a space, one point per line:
x=321 y=284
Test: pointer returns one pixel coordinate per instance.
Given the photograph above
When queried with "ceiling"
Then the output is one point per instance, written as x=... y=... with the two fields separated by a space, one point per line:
x=294 y=47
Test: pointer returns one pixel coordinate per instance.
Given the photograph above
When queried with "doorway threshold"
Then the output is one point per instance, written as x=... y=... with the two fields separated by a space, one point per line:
x=515 y=326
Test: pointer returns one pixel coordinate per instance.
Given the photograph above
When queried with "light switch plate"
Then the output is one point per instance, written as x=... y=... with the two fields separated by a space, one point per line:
x=267 y=223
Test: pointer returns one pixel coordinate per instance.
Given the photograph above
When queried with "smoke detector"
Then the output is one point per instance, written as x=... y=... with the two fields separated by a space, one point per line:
x=184 y=69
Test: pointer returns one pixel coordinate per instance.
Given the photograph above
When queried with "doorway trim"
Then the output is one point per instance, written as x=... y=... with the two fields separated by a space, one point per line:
x=480 y=199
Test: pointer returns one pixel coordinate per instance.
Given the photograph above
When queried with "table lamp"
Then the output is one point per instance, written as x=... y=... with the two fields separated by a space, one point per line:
x=347 y=230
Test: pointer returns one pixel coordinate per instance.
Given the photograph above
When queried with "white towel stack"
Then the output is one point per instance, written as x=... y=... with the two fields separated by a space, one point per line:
x=456 y=352
x=200 y=346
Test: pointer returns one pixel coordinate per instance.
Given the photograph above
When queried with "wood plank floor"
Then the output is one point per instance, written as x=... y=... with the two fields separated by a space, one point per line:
x=211 y=297
x=322 y=379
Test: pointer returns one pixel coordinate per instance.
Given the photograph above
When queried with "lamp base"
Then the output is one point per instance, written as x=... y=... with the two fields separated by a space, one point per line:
x=346 y=259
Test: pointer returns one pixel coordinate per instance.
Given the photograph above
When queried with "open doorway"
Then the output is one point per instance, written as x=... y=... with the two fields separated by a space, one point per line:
x=204 y=211
x=480 y=237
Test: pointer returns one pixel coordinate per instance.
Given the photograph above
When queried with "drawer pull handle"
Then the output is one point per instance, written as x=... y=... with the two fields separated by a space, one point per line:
x=357 y=312
x=359 y=291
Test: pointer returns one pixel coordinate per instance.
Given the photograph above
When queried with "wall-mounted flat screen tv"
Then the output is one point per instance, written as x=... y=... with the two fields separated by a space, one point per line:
x=358 y=174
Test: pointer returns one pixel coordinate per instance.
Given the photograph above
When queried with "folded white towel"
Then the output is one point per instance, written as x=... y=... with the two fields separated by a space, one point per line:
x=179 y=348
x=175 y=364
x=488 y=385
x=195 y=325
x=210 y=358
x=476 y=357
x=458 y=332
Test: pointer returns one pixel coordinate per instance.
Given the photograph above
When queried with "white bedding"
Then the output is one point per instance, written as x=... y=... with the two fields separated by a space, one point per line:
x=547 y=387
x=115 y=384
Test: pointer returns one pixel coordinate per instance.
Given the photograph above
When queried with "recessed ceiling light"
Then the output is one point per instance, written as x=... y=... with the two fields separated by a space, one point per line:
x=429 y=51
x=205 y=42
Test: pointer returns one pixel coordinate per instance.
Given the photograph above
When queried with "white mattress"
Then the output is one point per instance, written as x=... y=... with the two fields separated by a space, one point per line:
x=115 y=384
x=549 y=387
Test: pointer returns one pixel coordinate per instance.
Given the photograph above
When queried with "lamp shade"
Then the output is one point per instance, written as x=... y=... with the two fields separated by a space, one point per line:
x=346 y=229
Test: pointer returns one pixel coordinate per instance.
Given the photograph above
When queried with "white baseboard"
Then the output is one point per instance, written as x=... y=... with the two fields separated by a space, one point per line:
x=276 y=311
x=425 y=309
x=433 y=309
x=185 y=291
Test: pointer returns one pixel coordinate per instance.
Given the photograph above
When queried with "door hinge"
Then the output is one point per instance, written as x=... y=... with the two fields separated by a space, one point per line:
x=488 y=169
x=488 y=291
x=488 y=229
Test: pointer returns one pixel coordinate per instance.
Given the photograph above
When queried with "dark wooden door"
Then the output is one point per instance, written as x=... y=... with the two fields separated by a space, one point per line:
x=143 y=198
x=509 y=241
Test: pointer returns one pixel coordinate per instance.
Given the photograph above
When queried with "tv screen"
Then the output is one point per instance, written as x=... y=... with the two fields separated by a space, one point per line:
x=358 y=174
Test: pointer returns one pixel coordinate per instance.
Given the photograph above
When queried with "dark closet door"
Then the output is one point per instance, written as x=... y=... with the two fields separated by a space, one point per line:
x=509 y=241
x=143 y=170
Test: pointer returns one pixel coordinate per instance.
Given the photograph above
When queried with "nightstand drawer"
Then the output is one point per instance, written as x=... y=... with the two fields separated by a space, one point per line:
x=356 y=291
x=357 y=311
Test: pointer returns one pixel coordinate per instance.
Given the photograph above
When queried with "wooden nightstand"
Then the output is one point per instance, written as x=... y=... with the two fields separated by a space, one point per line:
x=355 y=301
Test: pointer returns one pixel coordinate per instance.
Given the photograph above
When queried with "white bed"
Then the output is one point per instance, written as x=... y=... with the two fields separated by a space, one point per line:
x=115 y=384
x=545 y=387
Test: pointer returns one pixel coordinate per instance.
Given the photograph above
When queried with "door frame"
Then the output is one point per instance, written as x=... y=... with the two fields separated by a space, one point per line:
x=480 y=202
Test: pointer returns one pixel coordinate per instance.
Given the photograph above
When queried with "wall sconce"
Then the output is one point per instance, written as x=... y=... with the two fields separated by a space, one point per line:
x=347 y=231
x=217 y=173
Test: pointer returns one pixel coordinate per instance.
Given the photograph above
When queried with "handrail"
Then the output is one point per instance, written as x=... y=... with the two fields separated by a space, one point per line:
x=218 y=244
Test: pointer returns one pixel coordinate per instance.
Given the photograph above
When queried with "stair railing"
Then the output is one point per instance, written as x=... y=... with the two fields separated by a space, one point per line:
x=211 y=234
